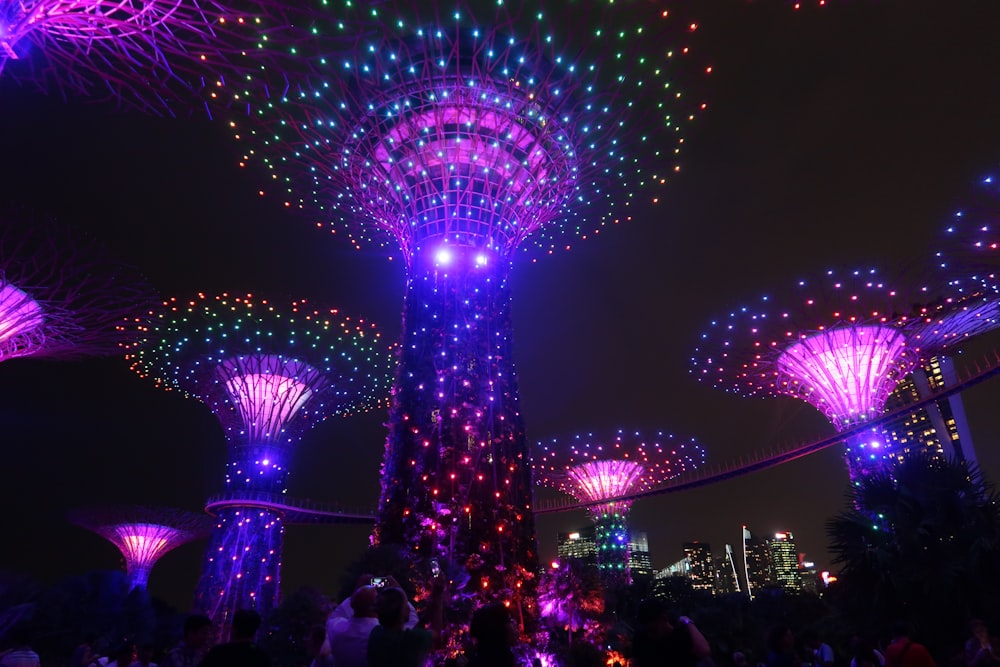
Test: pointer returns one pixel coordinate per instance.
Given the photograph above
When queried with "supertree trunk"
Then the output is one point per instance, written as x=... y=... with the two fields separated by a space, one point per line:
x=242 y=564
x=611 y=535
x=456 y=483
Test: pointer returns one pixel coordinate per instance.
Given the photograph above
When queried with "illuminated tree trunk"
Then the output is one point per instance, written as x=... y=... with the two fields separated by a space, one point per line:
x=242 y=567
x=611 y=536
x=242 y=564
x=456 y=479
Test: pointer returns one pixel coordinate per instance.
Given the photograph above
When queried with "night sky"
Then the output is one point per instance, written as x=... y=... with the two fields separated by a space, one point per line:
x=841 y=136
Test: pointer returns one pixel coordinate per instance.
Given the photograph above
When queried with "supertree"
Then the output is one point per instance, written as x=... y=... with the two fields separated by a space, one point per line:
x=142 y=534
x=61 y=295
x=461 y=132
x=268 y=373
x=151 y=54
x=600 y=469
x=840 y=343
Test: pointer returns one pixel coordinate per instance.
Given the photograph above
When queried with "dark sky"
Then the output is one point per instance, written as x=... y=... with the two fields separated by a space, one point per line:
x=837 y=136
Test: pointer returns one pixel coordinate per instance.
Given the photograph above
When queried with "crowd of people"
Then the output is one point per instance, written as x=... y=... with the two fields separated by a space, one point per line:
x=377 y=626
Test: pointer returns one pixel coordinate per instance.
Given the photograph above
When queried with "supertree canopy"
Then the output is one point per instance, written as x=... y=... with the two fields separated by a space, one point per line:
x=460 y=132
x=599 y=470
x=840 y=343
x=61 y=295
x=142 y=534
x=968 y=257
x=154 y=54
x=268 y=373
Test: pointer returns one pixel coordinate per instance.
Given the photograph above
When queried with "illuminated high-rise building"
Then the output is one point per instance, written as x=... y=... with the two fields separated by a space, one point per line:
x=727 y=581
x=938 y=429
x=640 y=563
x=579 y=545
x=702 y=567
x=582 y=545
x=784 y=562
x=757 y=569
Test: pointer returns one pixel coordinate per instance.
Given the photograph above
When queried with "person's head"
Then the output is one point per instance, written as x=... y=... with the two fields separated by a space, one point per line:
x=780 y=639
x=363 y=602
x=246 y=622
x=739 y=659
x=979 y=629
x=197 y=630
x=390 y=607
x=491 y=627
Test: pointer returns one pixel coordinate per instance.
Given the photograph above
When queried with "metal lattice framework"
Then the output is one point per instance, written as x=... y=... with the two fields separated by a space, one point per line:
x=463 y=132
x=61 y=295
x=598 y=469
x=268 y=373
x=474 y=124
x=142 y=534
x=151 y=54
x=843 y=344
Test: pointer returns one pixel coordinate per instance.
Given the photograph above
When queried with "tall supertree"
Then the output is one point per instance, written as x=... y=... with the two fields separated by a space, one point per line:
x=152 y=54
x=142 y=534
x=268 y=373
x=460 y=132
x=840 y=343
x=598 y=469
x=61 y=295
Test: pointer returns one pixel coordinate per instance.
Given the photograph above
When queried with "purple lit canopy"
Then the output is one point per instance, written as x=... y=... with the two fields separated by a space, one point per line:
x=595 y=469
x=482 y=125
x=61 y=296
x=153 y=54
x=142 y=534
x=842 y=343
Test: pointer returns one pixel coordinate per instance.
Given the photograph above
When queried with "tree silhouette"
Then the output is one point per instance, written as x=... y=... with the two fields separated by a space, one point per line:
x=916 y=540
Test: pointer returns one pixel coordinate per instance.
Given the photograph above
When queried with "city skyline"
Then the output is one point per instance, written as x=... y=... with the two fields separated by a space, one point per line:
x=810 y=154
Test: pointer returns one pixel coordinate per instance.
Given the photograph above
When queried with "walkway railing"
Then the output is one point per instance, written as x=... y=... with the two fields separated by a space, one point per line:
x=293 y=510
x=762 y=460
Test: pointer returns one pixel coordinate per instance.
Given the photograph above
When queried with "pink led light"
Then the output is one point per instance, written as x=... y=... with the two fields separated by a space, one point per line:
x=597 y=480
x=846 y=372
x=19 y=313
x=267 y=392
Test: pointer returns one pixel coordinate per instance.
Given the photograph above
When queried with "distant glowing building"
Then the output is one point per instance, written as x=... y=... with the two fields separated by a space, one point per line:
x=702 y=567
x=61 y=297
x=268 y=373
x=582 y=545
x=727 y=580
x=640 y=563
x=142 y=534
x=939 y=429
x=784 y=560
x=758 y=571
x=599 y=470
x=842 y=344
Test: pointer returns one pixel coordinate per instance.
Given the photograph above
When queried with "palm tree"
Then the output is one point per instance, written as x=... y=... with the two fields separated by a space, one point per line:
x=922 y=543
